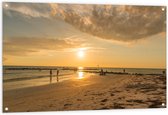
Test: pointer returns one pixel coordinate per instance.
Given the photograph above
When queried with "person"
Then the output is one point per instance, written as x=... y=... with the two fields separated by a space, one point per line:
x=101 y=72
x=123 y=70
x=50 y=75
x=57 y=75
x=164 y=72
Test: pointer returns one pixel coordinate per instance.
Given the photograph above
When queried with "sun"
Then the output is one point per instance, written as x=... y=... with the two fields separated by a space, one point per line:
x=80 y=53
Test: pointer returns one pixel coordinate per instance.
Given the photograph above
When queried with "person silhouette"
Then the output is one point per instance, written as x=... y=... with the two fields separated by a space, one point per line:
x=101 y=72
x=57 y=75
x=123 y=70
x=50 y=75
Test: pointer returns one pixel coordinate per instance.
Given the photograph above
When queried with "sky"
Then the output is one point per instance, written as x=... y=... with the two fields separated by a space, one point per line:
x=50 y=34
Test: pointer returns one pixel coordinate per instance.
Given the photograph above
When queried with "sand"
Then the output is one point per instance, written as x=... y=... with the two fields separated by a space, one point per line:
x=90 y=93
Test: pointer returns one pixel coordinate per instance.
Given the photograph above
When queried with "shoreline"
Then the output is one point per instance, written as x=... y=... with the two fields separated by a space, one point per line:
x=82 y=70
x=40 y=81
x=90 y=93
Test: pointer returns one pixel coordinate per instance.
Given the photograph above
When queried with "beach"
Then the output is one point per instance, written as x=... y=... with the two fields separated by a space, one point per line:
x=83 y=56
x=93 y=92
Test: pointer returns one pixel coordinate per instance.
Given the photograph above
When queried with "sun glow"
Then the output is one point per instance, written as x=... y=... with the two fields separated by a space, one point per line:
x=80 y=68
x=80 y=53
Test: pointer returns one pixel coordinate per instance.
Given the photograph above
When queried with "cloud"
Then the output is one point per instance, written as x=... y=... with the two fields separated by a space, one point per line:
x=111 y=22
x=27 y=9
x=122 y=23
x=21 y=46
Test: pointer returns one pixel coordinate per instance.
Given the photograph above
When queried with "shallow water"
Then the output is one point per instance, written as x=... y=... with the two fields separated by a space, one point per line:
x=13 y=79
x=17 y=84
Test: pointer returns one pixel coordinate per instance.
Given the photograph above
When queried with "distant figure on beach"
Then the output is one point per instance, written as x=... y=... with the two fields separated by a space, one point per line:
x=57 y=75
x=123 y=70
x=102 y=72
x=164 y=72
x=50 y=75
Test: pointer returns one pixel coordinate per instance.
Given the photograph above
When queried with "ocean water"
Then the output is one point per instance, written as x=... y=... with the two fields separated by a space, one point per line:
x=136 y=70
x=15 y=77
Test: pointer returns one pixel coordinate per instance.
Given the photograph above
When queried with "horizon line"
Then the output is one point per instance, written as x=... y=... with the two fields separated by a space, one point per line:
x=89 y=66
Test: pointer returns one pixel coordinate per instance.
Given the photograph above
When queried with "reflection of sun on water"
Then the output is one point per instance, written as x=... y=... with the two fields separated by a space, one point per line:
x=80 y=75
x=80 y=68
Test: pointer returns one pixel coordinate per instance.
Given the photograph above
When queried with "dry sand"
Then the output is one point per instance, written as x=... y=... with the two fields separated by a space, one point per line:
x=91 y=93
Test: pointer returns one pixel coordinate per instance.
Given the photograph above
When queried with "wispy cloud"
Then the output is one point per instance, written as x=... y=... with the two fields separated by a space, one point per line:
x=27 y=9
x=21 y=46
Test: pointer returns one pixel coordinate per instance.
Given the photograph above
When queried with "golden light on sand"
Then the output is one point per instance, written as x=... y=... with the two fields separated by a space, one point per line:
x=80 y=75
x=80 y=53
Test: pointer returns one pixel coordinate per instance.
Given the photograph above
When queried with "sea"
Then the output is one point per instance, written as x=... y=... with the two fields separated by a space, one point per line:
x=15 y=77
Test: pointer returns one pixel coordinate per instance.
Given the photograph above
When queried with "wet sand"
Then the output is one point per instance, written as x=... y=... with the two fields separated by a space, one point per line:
x=90 y=93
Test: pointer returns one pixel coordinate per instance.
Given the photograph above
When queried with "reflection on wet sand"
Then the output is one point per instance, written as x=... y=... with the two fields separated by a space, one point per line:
x=80 y=75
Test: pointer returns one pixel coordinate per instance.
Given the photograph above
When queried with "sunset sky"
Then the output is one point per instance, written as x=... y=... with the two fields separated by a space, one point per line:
x=84 y=35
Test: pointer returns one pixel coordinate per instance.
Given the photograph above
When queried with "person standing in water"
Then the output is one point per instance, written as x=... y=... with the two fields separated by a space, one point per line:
x=101 y=72
x=50 y=75
x=57 y=75
x=123 y=70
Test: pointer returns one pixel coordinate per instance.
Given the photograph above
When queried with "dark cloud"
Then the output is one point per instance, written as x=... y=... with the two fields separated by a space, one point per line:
x=112 y=22
x=123 y=23
x=19 y=46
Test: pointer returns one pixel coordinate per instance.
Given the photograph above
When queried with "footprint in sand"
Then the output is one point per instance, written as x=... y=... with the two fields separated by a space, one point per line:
x=79 y=100
x=102 y=104
x=104 y=100
x=51 y=105
x=136 y=100
x=65 y=105
x=112 y=94
x=104 y=108
x=121 y=98
x=117 y=106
